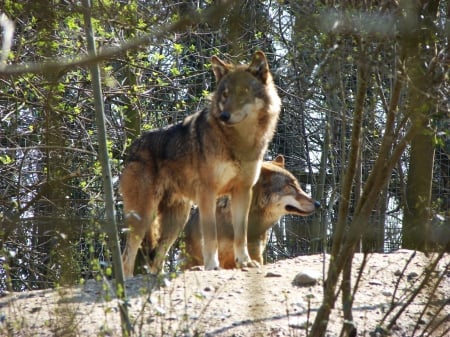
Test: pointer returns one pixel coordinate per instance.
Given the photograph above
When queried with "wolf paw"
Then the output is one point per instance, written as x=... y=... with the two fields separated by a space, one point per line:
x=211 y=260
x=212 y=268
x=247 y=264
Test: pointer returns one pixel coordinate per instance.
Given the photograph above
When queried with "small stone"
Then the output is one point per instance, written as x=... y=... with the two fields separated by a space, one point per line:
x=375 y=282
x=272 y=274
x=386 y=292
x=301 y=326
x=35 y=309
x=306 y=278
x=412 y=275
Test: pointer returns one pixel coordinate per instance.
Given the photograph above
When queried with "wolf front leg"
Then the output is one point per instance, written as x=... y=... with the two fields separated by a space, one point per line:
x=240 y=205
x=207 y=212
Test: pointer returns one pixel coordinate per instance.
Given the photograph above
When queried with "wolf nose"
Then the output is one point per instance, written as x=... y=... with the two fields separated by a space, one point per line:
x=225 y=116
x=316 y=204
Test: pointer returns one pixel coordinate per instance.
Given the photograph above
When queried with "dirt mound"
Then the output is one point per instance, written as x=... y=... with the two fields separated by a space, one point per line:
x=264 y=302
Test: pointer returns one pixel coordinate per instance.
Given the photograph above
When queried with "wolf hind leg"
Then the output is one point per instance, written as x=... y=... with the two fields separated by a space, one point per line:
x=140 y=201
x=138 y=224
x=240 y=205
x=173 y=216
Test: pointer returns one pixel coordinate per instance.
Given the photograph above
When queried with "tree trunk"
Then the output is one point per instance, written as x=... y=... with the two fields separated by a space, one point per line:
x=110 y=227
x=418 y=192
x=422 y=105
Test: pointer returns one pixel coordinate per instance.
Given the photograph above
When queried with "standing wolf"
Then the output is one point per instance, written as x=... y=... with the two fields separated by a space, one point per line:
x=216 y=151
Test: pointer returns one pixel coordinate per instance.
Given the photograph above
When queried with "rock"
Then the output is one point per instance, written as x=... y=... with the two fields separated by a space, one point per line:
x=301 y=325
x=375 y=282
x=412 y=275
x=387 y=293
x=306 y=278
x=272 y=274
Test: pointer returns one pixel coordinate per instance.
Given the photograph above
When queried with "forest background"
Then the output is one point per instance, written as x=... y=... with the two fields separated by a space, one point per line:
x=364 y=126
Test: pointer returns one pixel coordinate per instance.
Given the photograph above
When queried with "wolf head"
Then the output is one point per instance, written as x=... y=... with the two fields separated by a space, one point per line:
x=243 y=90
x=279 y=192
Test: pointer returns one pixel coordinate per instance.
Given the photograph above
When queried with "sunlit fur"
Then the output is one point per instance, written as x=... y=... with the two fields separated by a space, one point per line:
x=214 y=152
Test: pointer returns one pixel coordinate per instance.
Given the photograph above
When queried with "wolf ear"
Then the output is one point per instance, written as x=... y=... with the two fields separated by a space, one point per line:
x=279 y=160
x=219 y=67
x=259 y=66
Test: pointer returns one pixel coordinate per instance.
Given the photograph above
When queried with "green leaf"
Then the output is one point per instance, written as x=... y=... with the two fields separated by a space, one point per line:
x=5 y=159
x=175 y=72
x=178 y=48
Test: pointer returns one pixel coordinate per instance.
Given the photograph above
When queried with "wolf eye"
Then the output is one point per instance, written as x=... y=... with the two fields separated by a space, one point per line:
x=293 y=187
x=225 y=94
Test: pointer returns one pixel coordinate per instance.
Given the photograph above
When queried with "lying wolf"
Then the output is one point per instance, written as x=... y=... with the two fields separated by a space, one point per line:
x=276 y=193
x=214 y=152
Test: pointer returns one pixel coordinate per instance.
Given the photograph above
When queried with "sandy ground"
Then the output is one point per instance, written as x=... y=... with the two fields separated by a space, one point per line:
x=255 y=302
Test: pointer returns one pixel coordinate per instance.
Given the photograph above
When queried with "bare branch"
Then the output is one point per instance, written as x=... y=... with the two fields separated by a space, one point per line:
x=64 y=64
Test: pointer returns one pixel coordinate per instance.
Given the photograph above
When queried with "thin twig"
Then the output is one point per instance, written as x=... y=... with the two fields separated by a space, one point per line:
x=158 y=33
x=415 y=292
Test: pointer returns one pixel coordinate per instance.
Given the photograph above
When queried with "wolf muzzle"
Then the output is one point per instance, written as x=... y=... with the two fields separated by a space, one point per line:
x=225 y=116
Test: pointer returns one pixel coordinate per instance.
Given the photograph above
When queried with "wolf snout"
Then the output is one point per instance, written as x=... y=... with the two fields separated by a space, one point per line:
x=225 y=116
x=316 y=204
